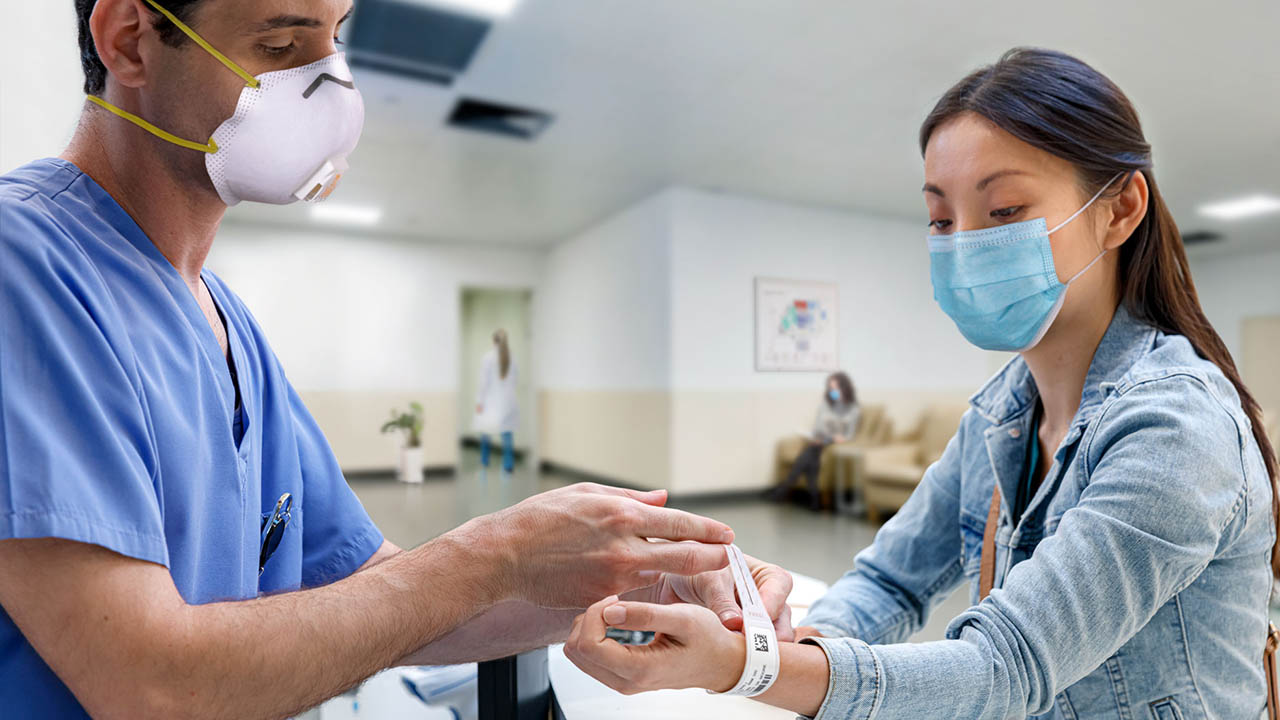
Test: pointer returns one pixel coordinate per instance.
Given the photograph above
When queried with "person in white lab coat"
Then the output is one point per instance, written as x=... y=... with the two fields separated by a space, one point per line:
x=497 y=408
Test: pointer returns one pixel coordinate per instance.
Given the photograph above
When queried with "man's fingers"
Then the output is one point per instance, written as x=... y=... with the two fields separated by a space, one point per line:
x=657 y=498
x=675 y=620
x=669 y=524
x=680 y=558
x=648 y=497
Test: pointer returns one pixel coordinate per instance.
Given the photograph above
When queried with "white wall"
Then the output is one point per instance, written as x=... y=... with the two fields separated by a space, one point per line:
x=362 y=324
x=646 y=335
x=41 y=91
x=602 y=317
x=348 y=312
x=1233 y=287
x=900 y=349
x=602 y=348
x=892 y=334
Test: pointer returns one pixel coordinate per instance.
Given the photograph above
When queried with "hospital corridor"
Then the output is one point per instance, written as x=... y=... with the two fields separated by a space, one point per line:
x=607 y=360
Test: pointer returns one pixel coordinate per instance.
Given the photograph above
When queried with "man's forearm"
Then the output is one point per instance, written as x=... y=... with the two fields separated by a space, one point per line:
x=507 y=629
x=278 y=655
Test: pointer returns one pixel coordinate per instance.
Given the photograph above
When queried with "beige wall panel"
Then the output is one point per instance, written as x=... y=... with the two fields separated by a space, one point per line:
x=351 y=421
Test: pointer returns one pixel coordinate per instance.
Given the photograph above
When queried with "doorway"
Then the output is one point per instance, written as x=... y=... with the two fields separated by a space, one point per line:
x=483 y=311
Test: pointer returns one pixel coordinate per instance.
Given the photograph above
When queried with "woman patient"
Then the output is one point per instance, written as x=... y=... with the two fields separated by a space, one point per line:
x=836 y=422
x=1109 y=496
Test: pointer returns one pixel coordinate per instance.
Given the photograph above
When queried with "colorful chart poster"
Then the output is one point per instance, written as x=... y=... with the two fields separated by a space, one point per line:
x=797 y=326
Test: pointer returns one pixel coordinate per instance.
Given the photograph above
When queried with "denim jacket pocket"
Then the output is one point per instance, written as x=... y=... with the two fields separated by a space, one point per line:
x=1166 y=709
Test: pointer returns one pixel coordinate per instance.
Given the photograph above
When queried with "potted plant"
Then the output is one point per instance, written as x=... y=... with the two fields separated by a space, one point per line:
x=410 y=423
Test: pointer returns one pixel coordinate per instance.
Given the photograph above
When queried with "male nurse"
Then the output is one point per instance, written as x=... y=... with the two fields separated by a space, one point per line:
x=176 y=538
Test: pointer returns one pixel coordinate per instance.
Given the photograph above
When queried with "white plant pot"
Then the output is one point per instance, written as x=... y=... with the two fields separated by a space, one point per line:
x=410 y=468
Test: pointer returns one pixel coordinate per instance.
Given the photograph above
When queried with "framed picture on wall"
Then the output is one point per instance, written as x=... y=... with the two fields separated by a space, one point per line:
x=797 y=326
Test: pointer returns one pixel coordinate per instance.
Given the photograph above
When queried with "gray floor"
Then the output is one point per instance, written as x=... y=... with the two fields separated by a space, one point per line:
x=819 y=545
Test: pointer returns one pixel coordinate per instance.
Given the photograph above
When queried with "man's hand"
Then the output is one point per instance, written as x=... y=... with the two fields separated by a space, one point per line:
x=568 y=548
x=715 y=591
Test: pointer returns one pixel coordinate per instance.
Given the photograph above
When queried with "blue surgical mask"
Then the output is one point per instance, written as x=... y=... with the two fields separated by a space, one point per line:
x=999 y=285
x=834 y=395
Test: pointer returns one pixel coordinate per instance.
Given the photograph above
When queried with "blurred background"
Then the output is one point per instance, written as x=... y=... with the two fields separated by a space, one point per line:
x=610 y=182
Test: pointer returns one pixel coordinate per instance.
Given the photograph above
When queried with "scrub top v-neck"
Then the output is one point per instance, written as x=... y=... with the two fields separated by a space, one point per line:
x=118 y=419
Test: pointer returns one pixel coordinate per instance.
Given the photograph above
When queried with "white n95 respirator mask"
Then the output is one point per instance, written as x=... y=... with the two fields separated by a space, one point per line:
x=289 y=136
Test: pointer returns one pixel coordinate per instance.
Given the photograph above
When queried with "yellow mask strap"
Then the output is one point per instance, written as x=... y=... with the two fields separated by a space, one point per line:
x=209 y=147
x=250 y=80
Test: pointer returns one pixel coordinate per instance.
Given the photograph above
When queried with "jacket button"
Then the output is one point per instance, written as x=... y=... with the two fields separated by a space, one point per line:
x=1015 y=432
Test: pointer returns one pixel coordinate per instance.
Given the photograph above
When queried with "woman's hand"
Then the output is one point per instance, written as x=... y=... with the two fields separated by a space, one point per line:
x=715 y=591
x=803 y=632
x=691 y=648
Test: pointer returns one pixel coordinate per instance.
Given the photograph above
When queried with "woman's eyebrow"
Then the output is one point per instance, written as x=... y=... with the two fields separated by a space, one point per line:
x=983 y=183
x=997 y=175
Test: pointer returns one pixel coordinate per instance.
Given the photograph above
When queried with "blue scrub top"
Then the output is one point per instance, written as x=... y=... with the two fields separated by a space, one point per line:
x=117 y=411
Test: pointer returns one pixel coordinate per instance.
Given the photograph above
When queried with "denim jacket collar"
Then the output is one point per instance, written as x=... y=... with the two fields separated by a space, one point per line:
x=1012 y=391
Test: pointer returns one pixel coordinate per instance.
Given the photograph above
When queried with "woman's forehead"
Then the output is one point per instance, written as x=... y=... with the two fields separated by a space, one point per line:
x=969 y=147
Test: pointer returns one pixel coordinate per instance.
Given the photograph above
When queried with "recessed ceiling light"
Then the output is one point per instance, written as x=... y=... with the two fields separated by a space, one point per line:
x=1241 y=207
x=490 y=8
x=346 y=214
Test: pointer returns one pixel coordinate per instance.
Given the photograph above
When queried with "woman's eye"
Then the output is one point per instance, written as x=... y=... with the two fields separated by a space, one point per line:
x=1006 y=212
x=939 y=224
x=336 y=41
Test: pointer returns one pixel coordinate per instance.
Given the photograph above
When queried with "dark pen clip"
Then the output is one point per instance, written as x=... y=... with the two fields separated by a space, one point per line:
x=273 y=529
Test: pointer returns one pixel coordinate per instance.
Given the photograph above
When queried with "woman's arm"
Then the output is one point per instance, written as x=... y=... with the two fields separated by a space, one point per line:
x=916 y=559
x=1165 y=492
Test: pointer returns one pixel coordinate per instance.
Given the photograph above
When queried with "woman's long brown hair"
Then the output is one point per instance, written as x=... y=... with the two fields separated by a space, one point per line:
x=504 y=352
x=1063 y=106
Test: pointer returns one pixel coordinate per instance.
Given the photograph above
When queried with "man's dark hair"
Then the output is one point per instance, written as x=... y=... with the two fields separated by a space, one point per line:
x=95 y=73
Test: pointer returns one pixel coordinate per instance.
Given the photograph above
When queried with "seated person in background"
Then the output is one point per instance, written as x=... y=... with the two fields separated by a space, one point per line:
x=836 y=422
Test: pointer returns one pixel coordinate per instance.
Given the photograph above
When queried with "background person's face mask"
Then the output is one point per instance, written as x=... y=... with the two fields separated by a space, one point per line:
x=999 y=285
x=289 y=136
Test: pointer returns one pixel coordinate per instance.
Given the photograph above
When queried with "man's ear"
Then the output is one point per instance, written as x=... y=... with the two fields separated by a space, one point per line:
x=117 y=27
x=1127 y=210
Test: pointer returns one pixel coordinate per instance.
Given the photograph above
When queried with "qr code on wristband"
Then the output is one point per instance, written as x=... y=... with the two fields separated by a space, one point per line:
x=762 y=643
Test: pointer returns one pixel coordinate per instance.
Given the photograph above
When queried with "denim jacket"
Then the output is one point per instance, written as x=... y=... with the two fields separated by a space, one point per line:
x=1134 y=586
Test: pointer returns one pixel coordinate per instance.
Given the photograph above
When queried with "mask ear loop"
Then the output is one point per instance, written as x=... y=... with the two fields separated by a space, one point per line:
x=1062 y=296
x=1075 y=214
x=209 y=147
x=1073 y=217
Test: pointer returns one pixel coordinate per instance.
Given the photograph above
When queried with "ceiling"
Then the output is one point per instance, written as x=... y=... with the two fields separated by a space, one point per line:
x=809 y=101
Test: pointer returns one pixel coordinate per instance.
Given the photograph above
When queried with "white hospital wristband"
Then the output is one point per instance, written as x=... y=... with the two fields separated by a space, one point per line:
x=761 y=667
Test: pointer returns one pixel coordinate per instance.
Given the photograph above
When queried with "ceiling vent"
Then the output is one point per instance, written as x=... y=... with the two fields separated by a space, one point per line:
x=413 y=40
x=491 y=117
x=1200 y=237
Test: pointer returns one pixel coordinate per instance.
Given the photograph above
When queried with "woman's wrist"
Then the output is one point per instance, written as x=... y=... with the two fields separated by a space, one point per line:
x=803 y=678
x=729 y=664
